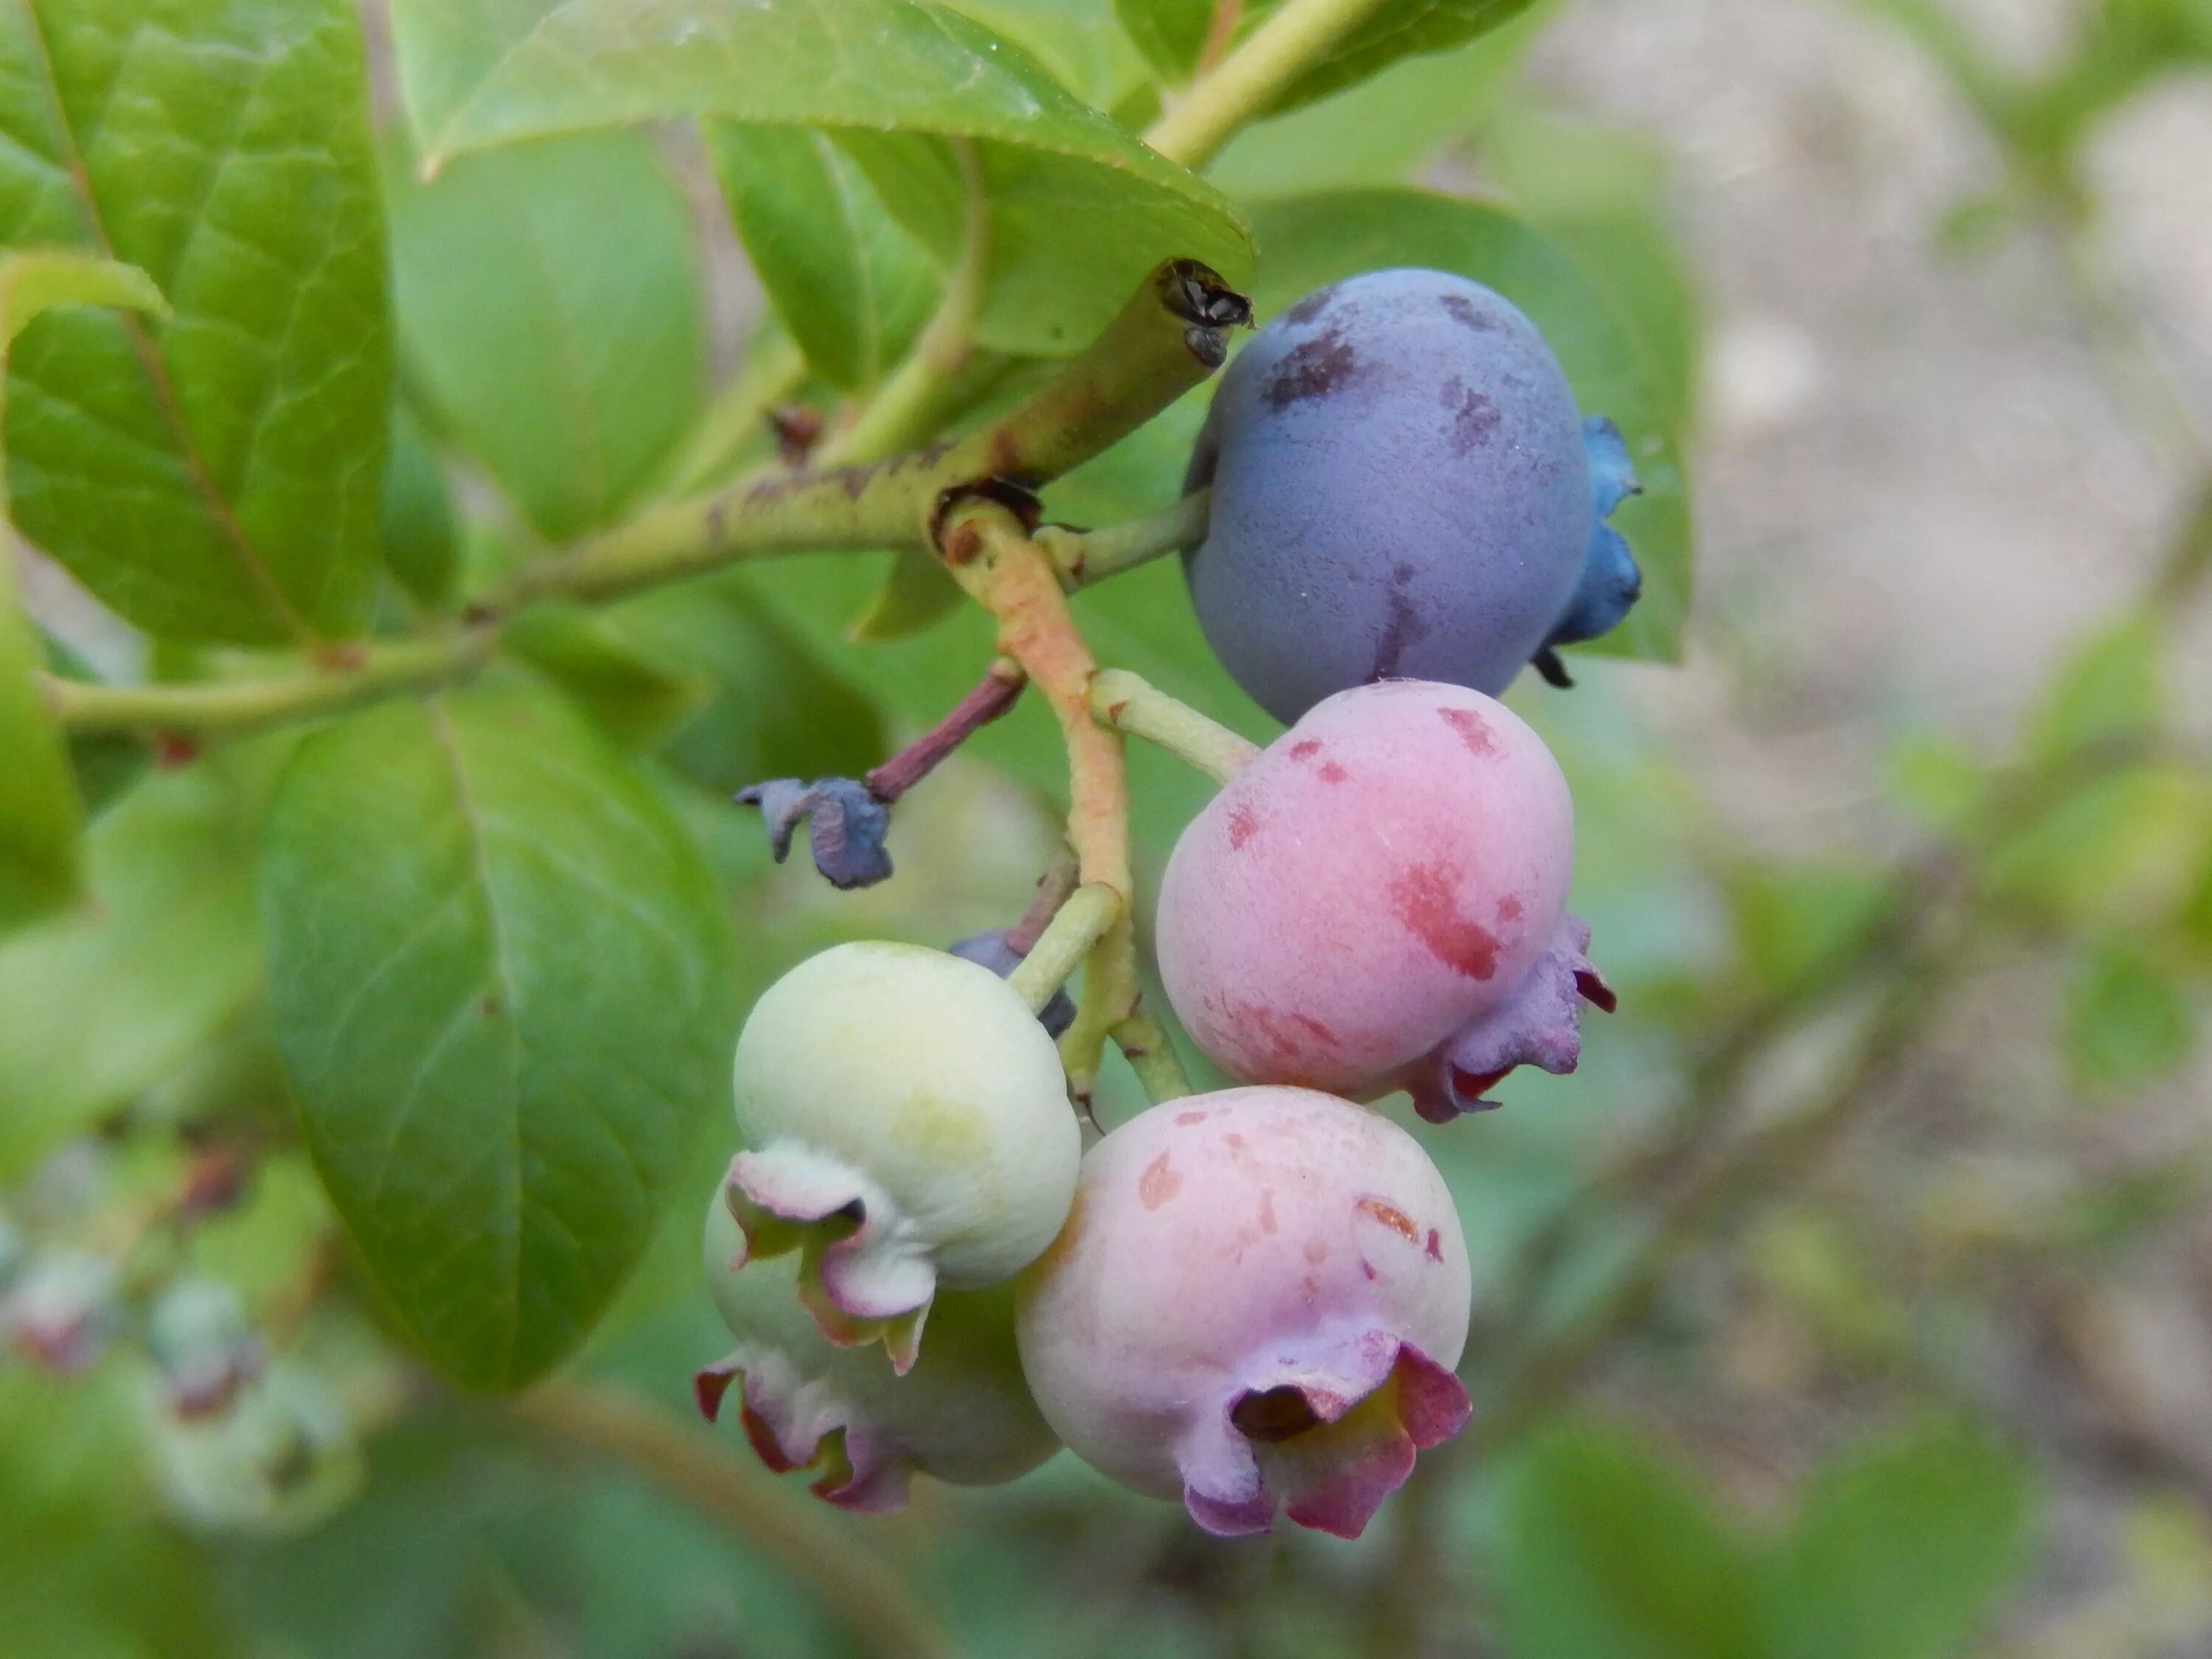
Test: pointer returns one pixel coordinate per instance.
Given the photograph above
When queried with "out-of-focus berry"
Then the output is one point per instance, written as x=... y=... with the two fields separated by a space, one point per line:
x=62 y=1310
x=991 y=950
x=905 y=1121
x=962 y=1415
x=199 y=1334
x=281 y=1459
x=1255 y=1306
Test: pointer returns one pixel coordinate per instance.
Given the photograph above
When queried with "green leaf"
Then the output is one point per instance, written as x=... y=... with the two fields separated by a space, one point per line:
x=421 y=535
x=1795 y=923
x=1080 y=209
x=1607 y=1549
x=1171 y=34
x=41 y=815
x=637 y=699
x=214 y=475
x=777 y=709
x=916 y=593
x=2122 y=851
x=2128 y=1021
x=1384 y=130
x=850 y=283
x=87 y=1570
x=499 y=978
x=1901 y=1552
x=1314 y=240
x=549 y=310
x=2112 y=689
x=106 y=1001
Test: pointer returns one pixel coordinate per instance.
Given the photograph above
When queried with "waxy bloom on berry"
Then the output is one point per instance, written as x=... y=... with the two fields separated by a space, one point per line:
x=1255 y=1306
x=963 y=1414
x=1376 y=902
x=906 y=1124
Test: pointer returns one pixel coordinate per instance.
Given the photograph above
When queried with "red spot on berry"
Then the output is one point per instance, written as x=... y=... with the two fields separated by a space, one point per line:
x=1243 y=826
x=1391 y=1217
x=1305 y=749
x=1367 y=1266
x=1190 y=1117
x=1473 y=730
x=1267 y=1211
x=1436 y=1245
x=1319 y=1032
x=1332 y=772
x=1158 y=1183
x=1234 y=1142
x=1317 y=1251
x=1422 y=899
x=1508 y=908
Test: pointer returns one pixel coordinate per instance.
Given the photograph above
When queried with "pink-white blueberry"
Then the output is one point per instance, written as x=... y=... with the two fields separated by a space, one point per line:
x=906 y=1124
x=1255 y=1305
x=962 y=1413
x=1377 y=901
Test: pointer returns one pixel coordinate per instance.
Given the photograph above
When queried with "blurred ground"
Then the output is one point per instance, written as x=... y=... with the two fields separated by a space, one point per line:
x=1917 y=485
x=1914 y=487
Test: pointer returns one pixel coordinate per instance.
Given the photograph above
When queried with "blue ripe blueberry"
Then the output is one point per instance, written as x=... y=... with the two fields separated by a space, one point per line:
x=1403 y=489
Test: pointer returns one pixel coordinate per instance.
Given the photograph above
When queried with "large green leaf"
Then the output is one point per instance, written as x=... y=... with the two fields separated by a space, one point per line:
x=40 y=813
x=1901 y=1552
x=499 y=978
x=850 y=283
x=1606 y=1549
x=105 y=1002
x=777 y=708
x=213 y=476
x=1171 y=34
x=1313 y=240
x=2128 y=1016
x=1080 y=209
x=549 y=310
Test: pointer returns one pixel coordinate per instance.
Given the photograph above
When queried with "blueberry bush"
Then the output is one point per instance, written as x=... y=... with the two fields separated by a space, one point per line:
x=1001 y=646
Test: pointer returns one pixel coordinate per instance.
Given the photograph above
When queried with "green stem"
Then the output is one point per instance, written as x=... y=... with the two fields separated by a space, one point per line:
x=852 y=1583
x=1078 y=925
x=1253 y=77
x=1150 y=355
x=229 y=708
x=915 y=401
x=1145 y=1043
x=1086 y=556
x=776 y=370
x=1129 y=704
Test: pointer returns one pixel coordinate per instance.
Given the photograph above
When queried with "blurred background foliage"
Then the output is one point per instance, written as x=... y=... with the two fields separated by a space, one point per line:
x=1854 y=1301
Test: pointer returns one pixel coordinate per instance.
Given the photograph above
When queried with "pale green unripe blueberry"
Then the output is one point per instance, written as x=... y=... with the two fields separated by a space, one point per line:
x=906 y=1124
x=964 y=1413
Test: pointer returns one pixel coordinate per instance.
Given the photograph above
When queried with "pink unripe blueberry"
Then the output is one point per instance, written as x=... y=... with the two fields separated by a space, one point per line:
x=1376 y=902
x=1255 y=1304
x=906 y=1124
x=962 y=1413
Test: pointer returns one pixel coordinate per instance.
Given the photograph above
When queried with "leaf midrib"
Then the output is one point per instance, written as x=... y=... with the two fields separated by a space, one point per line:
x=218 y=508
x=503 y=986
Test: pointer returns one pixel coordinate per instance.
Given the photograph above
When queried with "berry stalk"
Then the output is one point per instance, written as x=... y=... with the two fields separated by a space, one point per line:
x=1249 y=82
x=993 y=558
x=1130 y=703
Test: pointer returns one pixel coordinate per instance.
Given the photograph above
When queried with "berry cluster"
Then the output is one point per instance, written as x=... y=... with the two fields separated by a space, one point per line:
x=1252 y=1299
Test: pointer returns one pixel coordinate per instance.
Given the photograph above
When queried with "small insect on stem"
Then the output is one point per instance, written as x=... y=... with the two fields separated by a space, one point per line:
x=1211 y=307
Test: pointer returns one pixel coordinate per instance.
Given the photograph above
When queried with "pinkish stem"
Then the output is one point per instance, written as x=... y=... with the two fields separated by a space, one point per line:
x=993 y=695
